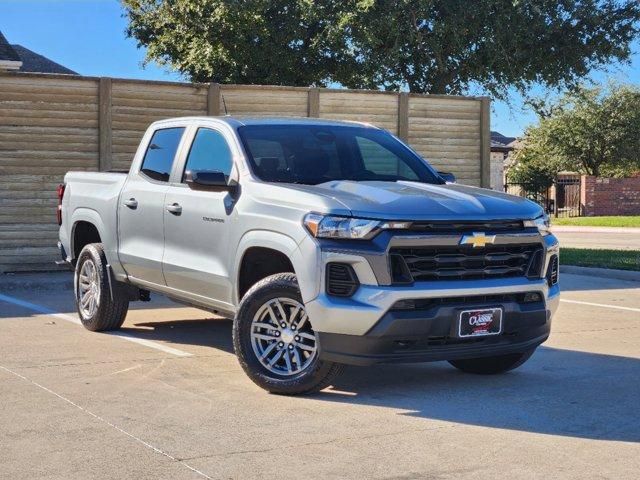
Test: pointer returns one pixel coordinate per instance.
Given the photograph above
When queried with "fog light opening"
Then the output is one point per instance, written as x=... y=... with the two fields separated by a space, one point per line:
x=532 y=297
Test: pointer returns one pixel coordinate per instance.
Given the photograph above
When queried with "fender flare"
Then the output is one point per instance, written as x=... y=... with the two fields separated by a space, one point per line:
x=85 y=215
x=275 y=241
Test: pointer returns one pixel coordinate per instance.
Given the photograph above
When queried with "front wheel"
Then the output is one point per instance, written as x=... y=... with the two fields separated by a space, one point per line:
x=274 y=340
x=101 y=305
x=492 y=365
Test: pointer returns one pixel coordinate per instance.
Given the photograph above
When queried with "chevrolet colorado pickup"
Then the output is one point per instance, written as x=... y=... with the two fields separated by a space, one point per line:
x=327 y=243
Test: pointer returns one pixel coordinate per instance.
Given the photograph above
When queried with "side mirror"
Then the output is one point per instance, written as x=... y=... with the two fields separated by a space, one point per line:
x=206 y=179
x=447 y=177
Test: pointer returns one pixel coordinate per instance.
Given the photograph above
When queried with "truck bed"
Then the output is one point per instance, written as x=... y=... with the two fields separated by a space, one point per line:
x=93 y=197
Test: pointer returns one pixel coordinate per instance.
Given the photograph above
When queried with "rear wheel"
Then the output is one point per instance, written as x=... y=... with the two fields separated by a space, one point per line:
x=492 y=365
x=101 y=306
x=275 y=342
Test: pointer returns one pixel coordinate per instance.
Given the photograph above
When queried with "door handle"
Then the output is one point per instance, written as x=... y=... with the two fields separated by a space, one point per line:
x=174 y=208
x=132 y=203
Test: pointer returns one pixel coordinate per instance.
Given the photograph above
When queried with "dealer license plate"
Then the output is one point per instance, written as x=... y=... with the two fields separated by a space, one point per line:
x=478 y=323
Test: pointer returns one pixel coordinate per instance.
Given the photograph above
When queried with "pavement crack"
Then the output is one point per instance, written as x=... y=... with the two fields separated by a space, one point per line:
x=324 y=442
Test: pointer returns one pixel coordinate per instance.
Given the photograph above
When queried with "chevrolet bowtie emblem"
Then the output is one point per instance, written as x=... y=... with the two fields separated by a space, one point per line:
x=477 y=239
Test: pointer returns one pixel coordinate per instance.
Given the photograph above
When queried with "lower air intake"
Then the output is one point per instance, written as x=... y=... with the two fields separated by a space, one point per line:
x=341 y=280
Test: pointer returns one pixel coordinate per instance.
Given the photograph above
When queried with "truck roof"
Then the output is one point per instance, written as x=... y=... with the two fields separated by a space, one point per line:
x=239 y=121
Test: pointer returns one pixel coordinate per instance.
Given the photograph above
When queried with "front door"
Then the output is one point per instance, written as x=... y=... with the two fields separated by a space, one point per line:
x=141 y=208
x=197 y=224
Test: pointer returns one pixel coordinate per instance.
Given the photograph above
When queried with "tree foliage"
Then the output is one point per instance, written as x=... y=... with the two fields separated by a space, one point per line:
x=429 y=46
x=590 y=130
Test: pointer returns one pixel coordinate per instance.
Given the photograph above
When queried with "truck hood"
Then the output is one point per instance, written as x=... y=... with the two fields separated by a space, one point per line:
x=420 y=201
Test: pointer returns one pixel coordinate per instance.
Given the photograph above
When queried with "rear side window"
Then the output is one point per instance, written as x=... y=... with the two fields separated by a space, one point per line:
x=160 y=153
x=209 y=151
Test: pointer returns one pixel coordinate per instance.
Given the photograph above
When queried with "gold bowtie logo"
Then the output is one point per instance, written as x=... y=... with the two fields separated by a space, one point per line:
x=477 y=239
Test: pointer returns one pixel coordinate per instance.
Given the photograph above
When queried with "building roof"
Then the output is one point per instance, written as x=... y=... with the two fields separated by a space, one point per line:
x=7 y=52
x=498 y=137
x=34 y=62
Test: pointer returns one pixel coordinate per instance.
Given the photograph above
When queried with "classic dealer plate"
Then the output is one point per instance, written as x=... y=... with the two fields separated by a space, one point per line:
x=477 y=323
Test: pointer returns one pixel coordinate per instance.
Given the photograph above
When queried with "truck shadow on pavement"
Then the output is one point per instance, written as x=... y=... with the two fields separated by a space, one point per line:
x=558 y=392
x=209 y=332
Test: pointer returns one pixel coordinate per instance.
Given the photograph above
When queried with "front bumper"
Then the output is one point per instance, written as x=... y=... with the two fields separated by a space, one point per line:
x=365 y=329
x=430 y=334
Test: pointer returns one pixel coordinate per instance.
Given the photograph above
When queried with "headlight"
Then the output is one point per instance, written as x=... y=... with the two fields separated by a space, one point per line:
x=542 y=223
x=328 y=226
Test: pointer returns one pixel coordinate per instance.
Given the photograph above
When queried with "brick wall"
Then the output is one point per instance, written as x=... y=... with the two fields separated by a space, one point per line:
x=610 y=196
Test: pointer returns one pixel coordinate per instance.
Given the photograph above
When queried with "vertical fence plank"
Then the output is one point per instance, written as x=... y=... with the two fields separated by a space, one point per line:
x=314 y=103
x=105 y=132
x=213 y=100
x=485 y=143
x=403 y=116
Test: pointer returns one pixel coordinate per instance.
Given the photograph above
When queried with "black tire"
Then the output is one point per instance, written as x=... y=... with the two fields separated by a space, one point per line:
x=492 y=365
x=316 y=376
x=110 y=312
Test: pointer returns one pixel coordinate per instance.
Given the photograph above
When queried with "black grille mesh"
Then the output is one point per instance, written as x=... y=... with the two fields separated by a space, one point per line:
x=466 y=263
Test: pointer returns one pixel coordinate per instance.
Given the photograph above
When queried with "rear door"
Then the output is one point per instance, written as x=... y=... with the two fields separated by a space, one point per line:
x=197 y=223
x=142 y=206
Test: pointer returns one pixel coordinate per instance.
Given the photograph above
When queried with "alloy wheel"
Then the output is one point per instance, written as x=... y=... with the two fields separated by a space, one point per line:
x=88 y=289
x=282 y=338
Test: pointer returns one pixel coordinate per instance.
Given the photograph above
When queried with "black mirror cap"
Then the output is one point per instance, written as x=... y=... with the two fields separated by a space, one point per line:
x=211 y=179
x=447 y=177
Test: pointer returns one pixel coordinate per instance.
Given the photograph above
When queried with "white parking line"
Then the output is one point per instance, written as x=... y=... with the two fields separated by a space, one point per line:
x=73 y=319
x=107 y=422
x=617 y=307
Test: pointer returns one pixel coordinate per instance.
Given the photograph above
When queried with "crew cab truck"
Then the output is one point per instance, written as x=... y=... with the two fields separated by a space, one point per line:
x=328 y=243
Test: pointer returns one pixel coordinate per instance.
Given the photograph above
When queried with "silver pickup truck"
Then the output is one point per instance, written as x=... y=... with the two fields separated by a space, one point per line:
x=328 y=243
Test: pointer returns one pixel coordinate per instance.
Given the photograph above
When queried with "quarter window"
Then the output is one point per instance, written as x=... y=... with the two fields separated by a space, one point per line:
x=161 y=152
x=210 y=152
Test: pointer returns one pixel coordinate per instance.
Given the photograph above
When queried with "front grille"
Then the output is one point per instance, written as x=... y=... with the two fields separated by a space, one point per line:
x=341 y=280
x=465 y=263
x=467 y=227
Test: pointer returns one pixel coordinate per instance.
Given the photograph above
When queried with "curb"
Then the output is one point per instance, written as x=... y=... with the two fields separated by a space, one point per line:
x=44 y=281
x=576 y=229
x=628 y=275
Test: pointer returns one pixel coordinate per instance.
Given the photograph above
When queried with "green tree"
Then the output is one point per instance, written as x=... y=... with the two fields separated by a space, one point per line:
x=590 y=130
x=429 y=46
x=276 y=42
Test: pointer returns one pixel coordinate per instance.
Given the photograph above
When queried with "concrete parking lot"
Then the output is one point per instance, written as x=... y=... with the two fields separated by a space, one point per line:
x=166 y=398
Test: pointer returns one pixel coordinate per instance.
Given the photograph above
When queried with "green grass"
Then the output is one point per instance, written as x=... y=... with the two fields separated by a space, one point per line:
x=631 y=221
x=587 y=257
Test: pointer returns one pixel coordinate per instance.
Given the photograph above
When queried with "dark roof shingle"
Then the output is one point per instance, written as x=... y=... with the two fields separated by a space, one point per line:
x=7 y=52
x=34 y=62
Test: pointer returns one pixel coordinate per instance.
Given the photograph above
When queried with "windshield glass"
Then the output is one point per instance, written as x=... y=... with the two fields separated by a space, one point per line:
x=314 y=154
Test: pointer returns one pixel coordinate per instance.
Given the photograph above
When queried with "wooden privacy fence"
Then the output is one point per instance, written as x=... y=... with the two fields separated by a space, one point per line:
x=50 y=124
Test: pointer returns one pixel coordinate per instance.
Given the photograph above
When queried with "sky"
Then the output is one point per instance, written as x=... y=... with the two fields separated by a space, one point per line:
x=88 y=36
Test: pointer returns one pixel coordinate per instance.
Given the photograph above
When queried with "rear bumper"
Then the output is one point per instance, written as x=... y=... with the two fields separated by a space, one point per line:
x=430 y=335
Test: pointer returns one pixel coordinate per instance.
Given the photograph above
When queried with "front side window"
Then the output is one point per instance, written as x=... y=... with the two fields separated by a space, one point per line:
x=314 y=154
x=209 y=151
x=161 y=152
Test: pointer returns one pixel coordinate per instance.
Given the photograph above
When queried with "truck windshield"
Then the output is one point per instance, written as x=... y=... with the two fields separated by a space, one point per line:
x=313 y=154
